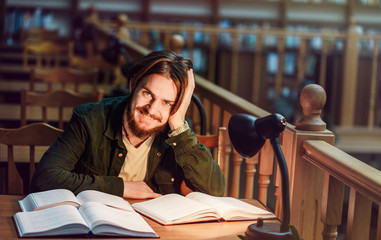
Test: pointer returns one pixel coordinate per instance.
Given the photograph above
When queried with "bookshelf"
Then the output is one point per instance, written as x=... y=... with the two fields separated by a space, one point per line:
x=275 y=13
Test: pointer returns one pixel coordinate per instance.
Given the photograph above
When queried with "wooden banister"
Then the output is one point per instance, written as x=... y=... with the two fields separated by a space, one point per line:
x=344 y=167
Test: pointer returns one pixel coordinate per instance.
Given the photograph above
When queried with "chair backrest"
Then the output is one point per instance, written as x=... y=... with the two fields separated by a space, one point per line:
x=39 y=34
x=63 y=76
x=217 y=143
x=62 y=98
x=94 y=61
x=47 y=52
x=32 y=135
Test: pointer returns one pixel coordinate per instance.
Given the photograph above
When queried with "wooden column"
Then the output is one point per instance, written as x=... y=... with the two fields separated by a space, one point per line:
x=279 y=73
x=146 y=6
x=373 y=86
x=74 y=10
x=257 y=70
x=283 y=21
x=306 y=180
x=213 y=44
x=215 y=16
x=348 y=100
x=234 y=64
x=323 y=62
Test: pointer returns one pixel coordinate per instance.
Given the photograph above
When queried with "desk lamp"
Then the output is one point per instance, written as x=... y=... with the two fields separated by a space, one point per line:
x=247 y=135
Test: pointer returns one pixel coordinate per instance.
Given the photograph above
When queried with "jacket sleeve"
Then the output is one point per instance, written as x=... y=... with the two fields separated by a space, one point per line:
x=57 y=167
x=195 y=159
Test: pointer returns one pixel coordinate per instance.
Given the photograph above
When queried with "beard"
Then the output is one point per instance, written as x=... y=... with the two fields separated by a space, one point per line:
x=138 y=131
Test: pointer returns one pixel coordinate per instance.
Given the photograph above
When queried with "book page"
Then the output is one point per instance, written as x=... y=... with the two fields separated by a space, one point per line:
x=105 y=198
x=104 y=220
x=174 y=208
x=58 y=220
x=45 y=199
x=231 y=208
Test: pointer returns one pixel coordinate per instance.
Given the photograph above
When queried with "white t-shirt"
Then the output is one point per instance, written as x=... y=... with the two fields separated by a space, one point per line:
x=134 y=167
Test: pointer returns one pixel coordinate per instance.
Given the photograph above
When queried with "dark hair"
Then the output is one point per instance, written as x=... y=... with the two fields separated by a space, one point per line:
x=165 y=63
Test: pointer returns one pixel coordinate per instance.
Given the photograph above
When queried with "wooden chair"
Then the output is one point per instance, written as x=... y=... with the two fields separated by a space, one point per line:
x=47 y=52
x=94 y=61
x=39 y=34
x=217 y=143
x=32 y=135
x=63 y=76
x=63 y=98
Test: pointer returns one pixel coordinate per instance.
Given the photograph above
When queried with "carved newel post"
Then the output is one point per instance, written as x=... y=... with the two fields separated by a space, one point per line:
x=312 y=99
x=176 y=43
x=122 y=31
x=329 y=192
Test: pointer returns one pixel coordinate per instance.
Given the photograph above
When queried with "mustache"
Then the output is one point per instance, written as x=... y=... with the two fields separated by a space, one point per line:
x=144 y=110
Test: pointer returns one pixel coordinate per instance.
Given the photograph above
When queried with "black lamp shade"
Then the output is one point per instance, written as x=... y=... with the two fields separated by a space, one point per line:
x=248 y=133
x=244 y=136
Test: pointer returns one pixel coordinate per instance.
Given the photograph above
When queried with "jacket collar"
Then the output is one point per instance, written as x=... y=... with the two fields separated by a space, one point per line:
x=114 y=125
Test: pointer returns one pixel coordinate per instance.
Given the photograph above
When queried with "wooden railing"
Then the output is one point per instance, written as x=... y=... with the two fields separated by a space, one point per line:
x=344 y=62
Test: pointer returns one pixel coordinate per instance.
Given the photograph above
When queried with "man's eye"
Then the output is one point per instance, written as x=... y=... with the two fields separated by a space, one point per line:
x=146 y=93
x=168 y=103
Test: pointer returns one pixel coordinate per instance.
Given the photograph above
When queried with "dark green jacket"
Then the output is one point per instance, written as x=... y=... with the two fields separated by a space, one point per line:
x=90 y=153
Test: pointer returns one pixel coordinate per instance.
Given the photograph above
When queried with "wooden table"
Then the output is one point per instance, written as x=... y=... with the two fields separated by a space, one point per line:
x=208 y=230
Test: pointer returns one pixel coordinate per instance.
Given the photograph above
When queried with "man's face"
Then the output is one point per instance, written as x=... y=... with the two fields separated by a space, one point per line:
x=151 y=105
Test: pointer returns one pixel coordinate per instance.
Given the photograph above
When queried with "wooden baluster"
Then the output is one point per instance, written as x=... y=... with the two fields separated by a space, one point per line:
x=250 y=172
x=237 y=160
x=332 y=206
x=359 y=213
x=306 y=180
x=279 y=73
x=373 y=87
x=257 y=70
x=266 y=165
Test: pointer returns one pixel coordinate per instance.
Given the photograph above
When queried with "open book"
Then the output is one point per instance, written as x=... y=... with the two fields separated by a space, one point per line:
x=50 y=198
x=51 y=213
x=198 y=207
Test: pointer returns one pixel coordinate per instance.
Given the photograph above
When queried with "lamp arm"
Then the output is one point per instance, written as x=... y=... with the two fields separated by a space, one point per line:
x=285 y=184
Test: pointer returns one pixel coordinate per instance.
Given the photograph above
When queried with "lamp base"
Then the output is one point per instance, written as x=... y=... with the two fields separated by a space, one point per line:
x=267 y=231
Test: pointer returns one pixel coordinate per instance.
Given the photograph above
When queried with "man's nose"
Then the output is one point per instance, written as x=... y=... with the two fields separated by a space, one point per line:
x=153 y=107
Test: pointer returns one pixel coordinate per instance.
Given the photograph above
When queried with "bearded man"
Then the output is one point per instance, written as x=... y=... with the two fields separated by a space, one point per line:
x=135 y=146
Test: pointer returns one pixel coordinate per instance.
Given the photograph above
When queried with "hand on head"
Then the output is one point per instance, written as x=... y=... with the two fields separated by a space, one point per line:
x=178 y=118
